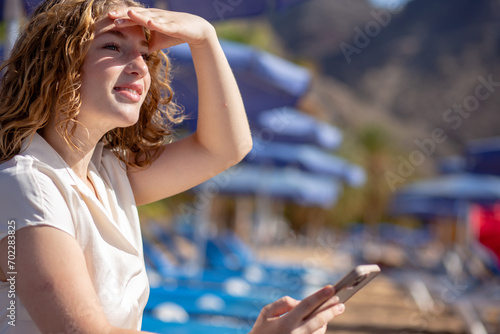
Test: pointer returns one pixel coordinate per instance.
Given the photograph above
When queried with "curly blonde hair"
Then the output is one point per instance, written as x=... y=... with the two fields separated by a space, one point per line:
x=43 y=76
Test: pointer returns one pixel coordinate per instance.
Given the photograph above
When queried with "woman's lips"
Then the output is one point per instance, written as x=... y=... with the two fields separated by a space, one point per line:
x=132 y=94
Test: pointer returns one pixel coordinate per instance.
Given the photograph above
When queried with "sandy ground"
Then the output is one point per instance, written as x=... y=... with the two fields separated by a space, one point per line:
x=383 y=306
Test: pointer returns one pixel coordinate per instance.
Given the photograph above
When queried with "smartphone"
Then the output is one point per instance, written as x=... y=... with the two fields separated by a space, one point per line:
x=355 y=280
x=351 y=283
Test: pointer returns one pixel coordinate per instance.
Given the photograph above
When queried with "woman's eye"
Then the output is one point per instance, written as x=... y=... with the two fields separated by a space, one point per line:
x=145 y=56
x=113 y=47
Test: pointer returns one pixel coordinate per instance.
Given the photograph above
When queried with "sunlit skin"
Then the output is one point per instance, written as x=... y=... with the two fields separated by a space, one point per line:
x=115 y=78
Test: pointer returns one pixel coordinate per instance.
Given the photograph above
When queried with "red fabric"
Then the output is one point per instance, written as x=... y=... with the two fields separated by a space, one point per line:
x=486 y=226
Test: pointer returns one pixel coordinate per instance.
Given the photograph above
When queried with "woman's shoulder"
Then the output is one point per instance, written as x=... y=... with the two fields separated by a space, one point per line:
x=27 y=171
x=29 y=194
x=18 y=174
x=24 y=179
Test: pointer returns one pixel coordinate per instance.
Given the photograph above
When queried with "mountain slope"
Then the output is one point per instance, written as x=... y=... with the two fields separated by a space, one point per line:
x=434 y=65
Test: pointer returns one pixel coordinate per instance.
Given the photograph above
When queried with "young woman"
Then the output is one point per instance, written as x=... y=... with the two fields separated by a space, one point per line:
x=84 y=112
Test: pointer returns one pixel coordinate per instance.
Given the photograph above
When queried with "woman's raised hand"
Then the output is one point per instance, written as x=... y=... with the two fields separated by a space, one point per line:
x=309 y=316
x=167 y=28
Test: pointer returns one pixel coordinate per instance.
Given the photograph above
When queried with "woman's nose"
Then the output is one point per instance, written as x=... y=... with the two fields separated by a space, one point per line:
x=137 y=65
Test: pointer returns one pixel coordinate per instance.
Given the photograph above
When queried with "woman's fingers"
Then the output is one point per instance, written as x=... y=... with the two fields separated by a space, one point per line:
x=279 y=307
x=162 y=31
x=147 y=18
x=326 y=305
x=314 y=312
x=123 y=13
x=311 y=315
x=314 y=323
x=132 y=17
x=309 y=304
x=167 y=28
x=162 y=24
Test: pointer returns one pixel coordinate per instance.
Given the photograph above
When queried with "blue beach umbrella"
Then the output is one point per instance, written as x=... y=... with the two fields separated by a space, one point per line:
x=446 y=195
x=283 y=183
x=292 y=126
x=424 y=207
x=483 y=156
x=265 y=80
x=267 y=184
x=308 y=158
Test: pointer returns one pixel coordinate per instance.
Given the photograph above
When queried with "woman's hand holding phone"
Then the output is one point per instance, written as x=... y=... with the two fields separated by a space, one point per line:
x=311 y=315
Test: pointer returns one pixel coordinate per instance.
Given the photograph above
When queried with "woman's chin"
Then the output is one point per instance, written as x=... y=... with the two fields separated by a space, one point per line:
x=127 y=119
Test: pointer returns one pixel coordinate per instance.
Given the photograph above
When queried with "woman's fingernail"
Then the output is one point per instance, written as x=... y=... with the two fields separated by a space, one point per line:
x=335 y=299
x=119 y=21
x=113 y=12
x=340 y=308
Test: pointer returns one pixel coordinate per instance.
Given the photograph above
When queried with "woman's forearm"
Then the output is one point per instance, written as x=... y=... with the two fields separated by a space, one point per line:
x=222 y=123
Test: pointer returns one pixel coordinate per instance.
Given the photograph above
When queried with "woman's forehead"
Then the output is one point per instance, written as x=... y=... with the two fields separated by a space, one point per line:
x=106 y=25
x=102 y=24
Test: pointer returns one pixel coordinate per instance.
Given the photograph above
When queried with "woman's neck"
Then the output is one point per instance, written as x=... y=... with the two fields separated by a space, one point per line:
x=77 y=157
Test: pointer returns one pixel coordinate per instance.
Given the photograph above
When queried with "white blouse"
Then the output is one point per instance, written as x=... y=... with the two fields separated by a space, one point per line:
x=37 y=187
